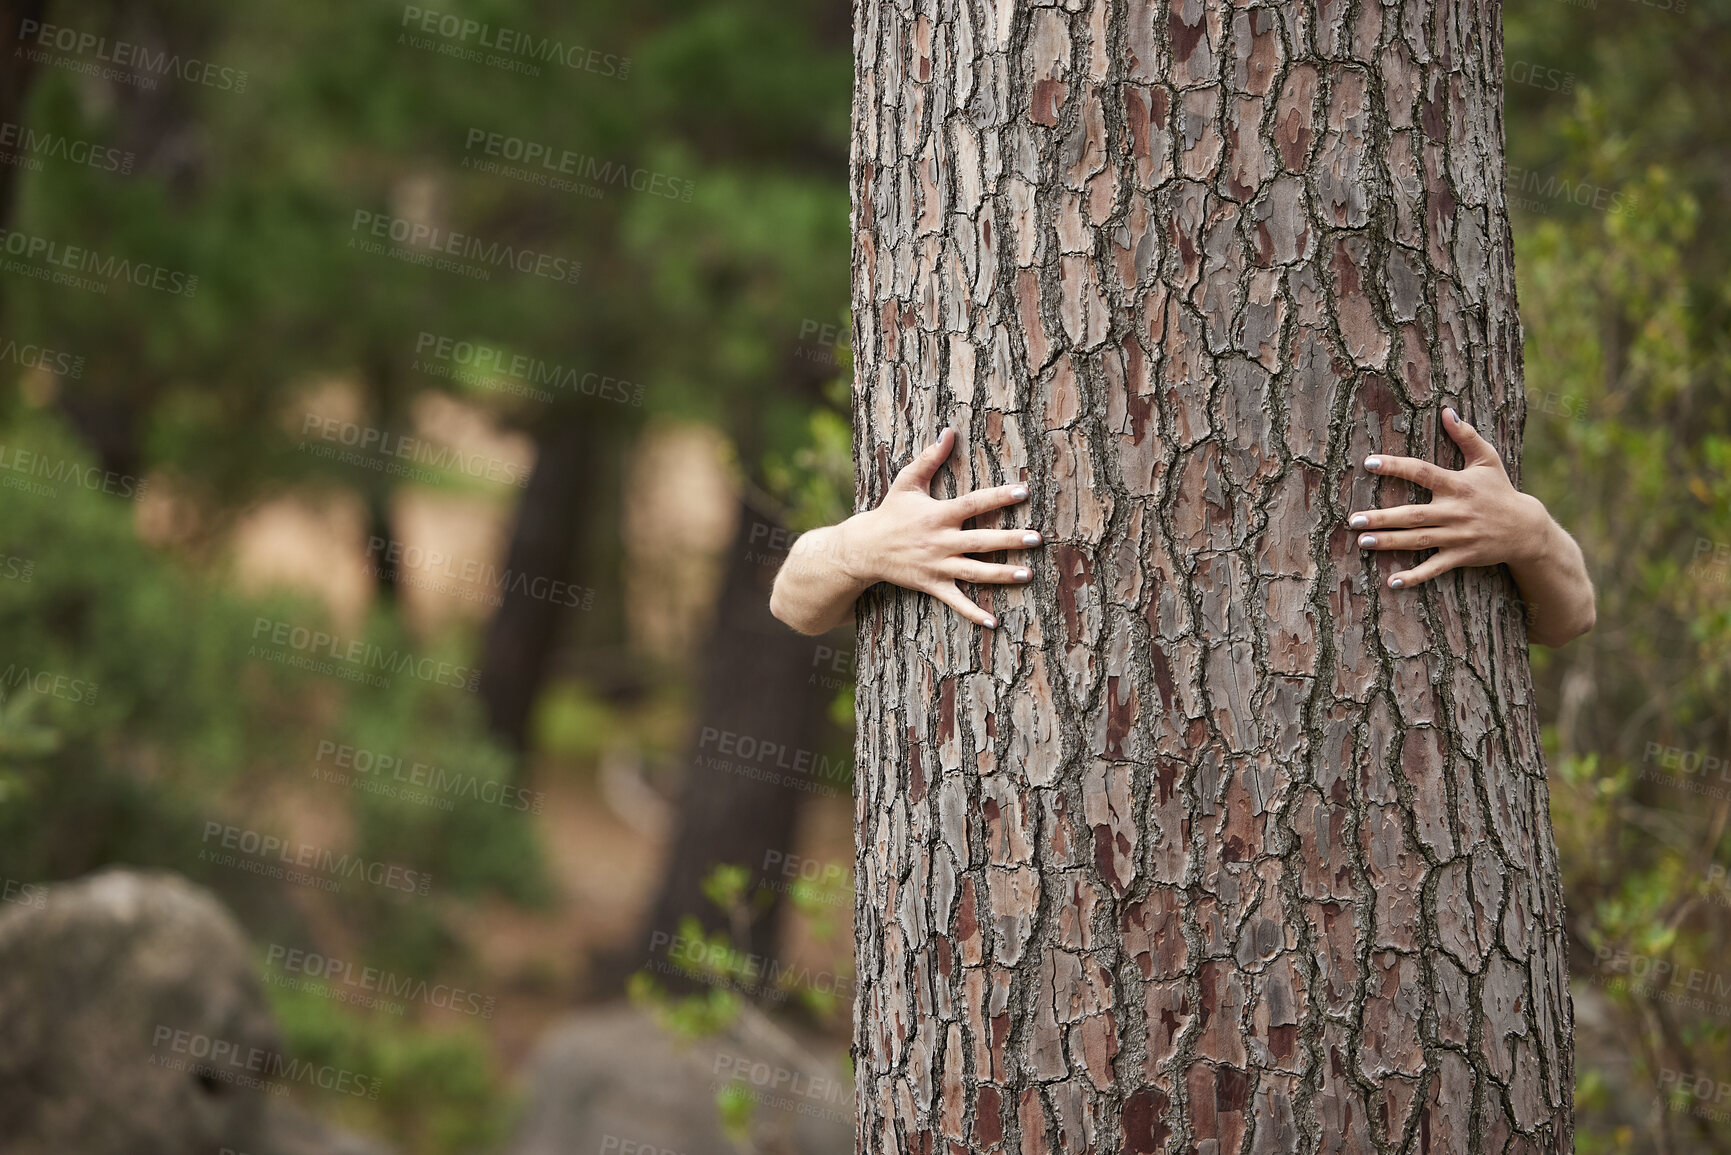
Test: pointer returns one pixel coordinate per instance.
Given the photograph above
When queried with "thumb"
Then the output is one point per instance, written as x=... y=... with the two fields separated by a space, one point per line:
x=918 y=473
x=1476 y=449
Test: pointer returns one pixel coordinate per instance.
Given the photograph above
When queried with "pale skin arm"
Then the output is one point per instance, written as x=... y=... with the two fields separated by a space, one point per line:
x=911 y=539
x=1476 y=517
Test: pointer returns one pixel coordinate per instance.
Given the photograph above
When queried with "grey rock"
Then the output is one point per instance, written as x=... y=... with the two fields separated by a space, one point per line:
x=132 y=1023
x=611 y=1080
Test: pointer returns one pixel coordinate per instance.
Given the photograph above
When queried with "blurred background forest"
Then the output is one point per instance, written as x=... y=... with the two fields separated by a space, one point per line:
x=324 y=494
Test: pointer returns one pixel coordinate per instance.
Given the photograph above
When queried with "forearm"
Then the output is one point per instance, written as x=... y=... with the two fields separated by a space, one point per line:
x=824 y=574
x=1553 y=580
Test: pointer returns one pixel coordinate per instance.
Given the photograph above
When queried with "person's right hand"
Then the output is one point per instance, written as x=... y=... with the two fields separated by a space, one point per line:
x=917 y=541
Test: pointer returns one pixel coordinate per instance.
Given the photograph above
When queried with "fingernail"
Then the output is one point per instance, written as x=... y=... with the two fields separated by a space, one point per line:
x=1452 y=415
x=991 y=622
x=1023 y=575
x=1030 y=538
x=1358 y=521
x=1373 y=463
x=1366 y=541
x=1020 y=492
x=1395 y=583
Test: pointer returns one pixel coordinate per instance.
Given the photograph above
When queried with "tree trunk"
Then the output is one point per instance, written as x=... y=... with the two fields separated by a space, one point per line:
x=15 y=80
x=762 y=725
x=523 y=632
x=1216 y=844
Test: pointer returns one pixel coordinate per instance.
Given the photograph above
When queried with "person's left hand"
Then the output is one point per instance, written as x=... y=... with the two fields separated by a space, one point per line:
x=1475 y=516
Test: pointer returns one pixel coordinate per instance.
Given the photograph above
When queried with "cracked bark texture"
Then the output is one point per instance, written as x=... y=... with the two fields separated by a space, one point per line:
x=1215 y=844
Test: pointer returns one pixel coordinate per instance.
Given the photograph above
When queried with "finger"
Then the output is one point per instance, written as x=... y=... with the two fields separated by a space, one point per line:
x=966 y=569
x=947 y=593
x=1403 y=516
x=918 y=473
x=1433 y=566
x=1476 y=449
x=993 y=540
x=1430 y=537
x=1421 y=473
x=985 y=500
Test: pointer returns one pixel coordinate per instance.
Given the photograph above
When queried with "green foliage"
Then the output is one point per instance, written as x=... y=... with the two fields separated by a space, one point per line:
x=437 y=1089
x=815 y=481
x=722 y=962
x=1628 y=406
x=131 y=713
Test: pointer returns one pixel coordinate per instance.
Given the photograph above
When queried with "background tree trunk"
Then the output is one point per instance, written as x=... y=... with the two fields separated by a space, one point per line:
x=1216 y=844
x=575 y=459
x=762 y=727
x=15 y=80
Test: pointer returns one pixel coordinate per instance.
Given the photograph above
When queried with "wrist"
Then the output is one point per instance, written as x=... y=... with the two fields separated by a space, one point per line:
x=1536 y=538
x=853 y=543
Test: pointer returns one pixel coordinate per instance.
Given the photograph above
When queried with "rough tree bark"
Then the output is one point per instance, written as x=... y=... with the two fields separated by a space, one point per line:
x=1216 y=844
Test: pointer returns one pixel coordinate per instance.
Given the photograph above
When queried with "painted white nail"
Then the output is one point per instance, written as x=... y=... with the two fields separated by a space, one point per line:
x=1023 y=575
x=1395 y=583
x=991 y=622
x=1359 y=521
x=1366 y=541
x=1373 y=463
x=1030 y=538
x=1020 y=492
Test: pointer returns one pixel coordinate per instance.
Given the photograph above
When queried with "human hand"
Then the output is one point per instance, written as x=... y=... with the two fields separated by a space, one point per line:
x=917 y=541
x=1476 y=516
